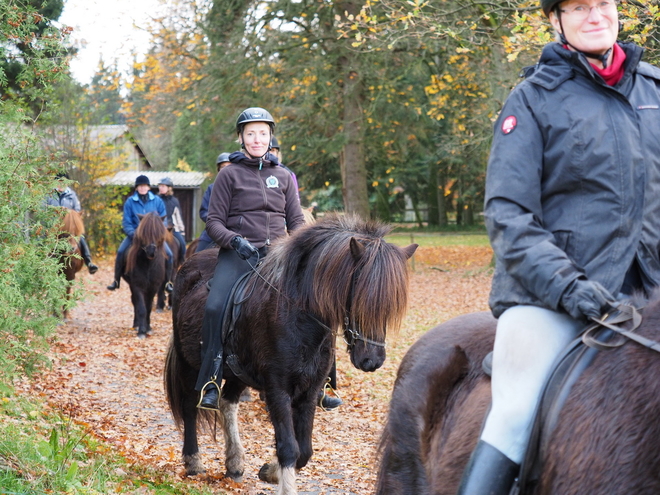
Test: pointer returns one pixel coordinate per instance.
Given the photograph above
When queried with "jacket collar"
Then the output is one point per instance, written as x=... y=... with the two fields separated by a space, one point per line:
x=269 y=160
x=556 y=54
x=136 y=196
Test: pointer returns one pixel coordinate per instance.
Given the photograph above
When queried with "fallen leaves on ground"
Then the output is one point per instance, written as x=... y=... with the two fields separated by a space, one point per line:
x=107 y=379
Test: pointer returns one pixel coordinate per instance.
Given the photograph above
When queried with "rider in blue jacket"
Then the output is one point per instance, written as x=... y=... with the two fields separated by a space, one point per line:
x=142 y=201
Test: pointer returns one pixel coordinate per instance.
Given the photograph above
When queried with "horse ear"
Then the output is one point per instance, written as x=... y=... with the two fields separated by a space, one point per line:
x=410 y=250
x=357 y=249
x=140 y=216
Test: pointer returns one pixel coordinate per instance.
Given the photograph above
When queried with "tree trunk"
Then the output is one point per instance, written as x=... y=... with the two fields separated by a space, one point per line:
x=351 y=158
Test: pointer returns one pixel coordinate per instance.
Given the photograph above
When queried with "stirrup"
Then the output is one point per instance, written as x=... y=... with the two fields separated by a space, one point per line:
x=328 y=387
x=202 y=393
x=169 y=287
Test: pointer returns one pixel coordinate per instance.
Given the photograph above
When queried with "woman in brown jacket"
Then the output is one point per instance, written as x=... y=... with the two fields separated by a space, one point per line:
x=253 y=202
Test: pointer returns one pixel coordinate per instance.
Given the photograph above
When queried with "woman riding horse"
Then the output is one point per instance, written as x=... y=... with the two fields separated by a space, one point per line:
x=253 y=202
x=571 y=209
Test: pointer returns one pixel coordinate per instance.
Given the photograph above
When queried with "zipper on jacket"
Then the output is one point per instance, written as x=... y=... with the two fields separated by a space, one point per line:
x=267 y=229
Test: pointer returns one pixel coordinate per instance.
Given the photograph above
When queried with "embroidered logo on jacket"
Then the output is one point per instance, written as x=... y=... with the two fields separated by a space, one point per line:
x=272 y=182
x=509 y=124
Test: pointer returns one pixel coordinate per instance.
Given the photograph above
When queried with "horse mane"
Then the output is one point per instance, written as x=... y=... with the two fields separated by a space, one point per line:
x=150 y=230
x=72 y=223
x=326 y=273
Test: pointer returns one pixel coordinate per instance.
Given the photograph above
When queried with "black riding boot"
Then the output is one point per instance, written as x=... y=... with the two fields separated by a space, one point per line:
x=329 y=402
x=87 y=255
x=119 y=269
x=210 y=394
x=489 y=472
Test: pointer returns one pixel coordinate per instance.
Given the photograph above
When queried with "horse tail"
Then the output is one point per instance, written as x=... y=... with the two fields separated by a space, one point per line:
x=424 y=379
x=172 y=384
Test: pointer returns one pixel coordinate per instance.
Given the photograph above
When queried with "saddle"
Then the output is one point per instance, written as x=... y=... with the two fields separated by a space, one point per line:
x=576 y=358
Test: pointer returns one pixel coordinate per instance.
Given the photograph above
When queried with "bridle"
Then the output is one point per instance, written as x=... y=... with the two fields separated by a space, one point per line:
x=351 y=333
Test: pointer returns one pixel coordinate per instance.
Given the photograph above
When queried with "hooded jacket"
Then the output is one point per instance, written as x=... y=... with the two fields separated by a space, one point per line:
x=253 y=198
x=573 y=180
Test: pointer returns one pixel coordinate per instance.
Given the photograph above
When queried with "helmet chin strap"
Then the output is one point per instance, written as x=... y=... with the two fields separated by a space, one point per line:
x=603 y=57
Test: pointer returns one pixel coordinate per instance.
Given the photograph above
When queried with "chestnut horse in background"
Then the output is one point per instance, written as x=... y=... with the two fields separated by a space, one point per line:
x=605 y=440
x=70 y=230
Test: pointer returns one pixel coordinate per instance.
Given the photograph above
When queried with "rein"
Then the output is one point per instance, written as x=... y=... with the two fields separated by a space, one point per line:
x=624 y=313
x=353 y=334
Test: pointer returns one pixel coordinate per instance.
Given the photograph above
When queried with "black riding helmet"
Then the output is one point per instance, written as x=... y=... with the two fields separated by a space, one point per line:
x=254 y=114
x=553 y=6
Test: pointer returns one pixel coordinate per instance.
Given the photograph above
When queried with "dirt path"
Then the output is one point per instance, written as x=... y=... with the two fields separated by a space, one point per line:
x=105 y=377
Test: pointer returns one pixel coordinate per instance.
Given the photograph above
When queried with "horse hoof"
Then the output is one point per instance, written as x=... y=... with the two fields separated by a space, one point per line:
x=235 y=476
x=269 y=473
x=193 y=465
x=141 y=336
x=159 y=310
x=150 y=332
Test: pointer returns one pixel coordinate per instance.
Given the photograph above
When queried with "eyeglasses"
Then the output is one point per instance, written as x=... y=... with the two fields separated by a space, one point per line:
x=582 y=11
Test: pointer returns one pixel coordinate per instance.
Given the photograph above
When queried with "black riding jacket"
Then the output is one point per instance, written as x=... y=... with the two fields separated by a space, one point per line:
x=573 y=181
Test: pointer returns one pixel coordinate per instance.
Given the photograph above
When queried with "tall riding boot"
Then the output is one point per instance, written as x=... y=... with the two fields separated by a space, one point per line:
x=119 y=270
x=169 y=287
x=87 y=255
x=329 y=402
x=489 y=472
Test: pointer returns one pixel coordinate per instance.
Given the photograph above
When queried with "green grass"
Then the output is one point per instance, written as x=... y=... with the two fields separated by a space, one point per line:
x=42 y=452
x=435 y=239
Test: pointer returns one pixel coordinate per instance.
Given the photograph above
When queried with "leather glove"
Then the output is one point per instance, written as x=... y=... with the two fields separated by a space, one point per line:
x=243 y=247
x=586 y=299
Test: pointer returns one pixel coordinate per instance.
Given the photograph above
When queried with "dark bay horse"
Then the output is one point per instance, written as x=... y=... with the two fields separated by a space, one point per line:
x=338 y=273
x=145 y=269
x=70 y=230
x=605 y=440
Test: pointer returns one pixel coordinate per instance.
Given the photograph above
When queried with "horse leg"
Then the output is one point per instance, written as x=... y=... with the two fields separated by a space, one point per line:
x=160 y=301
x=191 y=459
x=147 y=318
x=234 y=452
x=303 y=423
x=139 y=312
x=286 y=446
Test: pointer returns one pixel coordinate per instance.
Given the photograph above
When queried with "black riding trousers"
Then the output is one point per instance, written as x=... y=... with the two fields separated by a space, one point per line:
x=229 y=268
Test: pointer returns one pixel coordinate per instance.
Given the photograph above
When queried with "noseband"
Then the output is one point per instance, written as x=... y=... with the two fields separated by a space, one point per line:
x=351 y=332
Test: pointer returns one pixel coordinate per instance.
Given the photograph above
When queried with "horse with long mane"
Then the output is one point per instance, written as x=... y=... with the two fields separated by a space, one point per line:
x=70 y=229
x=338 y=273
x=604 y=439
x=145 y=270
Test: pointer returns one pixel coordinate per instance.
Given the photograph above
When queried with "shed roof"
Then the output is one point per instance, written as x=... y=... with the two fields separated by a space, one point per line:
x=180 y=179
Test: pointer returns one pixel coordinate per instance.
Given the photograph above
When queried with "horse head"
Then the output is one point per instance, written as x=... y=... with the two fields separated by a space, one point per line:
x=150 y=234
x=369 y=290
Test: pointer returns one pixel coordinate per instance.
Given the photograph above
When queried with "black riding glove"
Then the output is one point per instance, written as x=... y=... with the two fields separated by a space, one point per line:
x=585 y=298
x=243 y=247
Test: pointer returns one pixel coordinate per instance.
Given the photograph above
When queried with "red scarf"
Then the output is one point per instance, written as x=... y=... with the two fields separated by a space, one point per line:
x=614 y=72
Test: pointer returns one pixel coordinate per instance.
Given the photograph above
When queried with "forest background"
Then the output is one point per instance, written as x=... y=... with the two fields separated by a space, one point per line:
x=375 y=102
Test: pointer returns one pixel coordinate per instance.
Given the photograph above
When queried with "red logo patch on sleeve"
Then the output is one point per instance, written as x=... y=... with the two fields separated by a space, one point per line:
x=509 y=124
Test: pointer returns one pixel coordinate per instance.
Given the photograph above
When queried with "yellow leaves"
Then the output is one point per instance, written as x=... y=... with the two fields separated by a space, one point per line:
x=183 y=165
x=293 y=148
x=193 y=123
x=374 y=183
